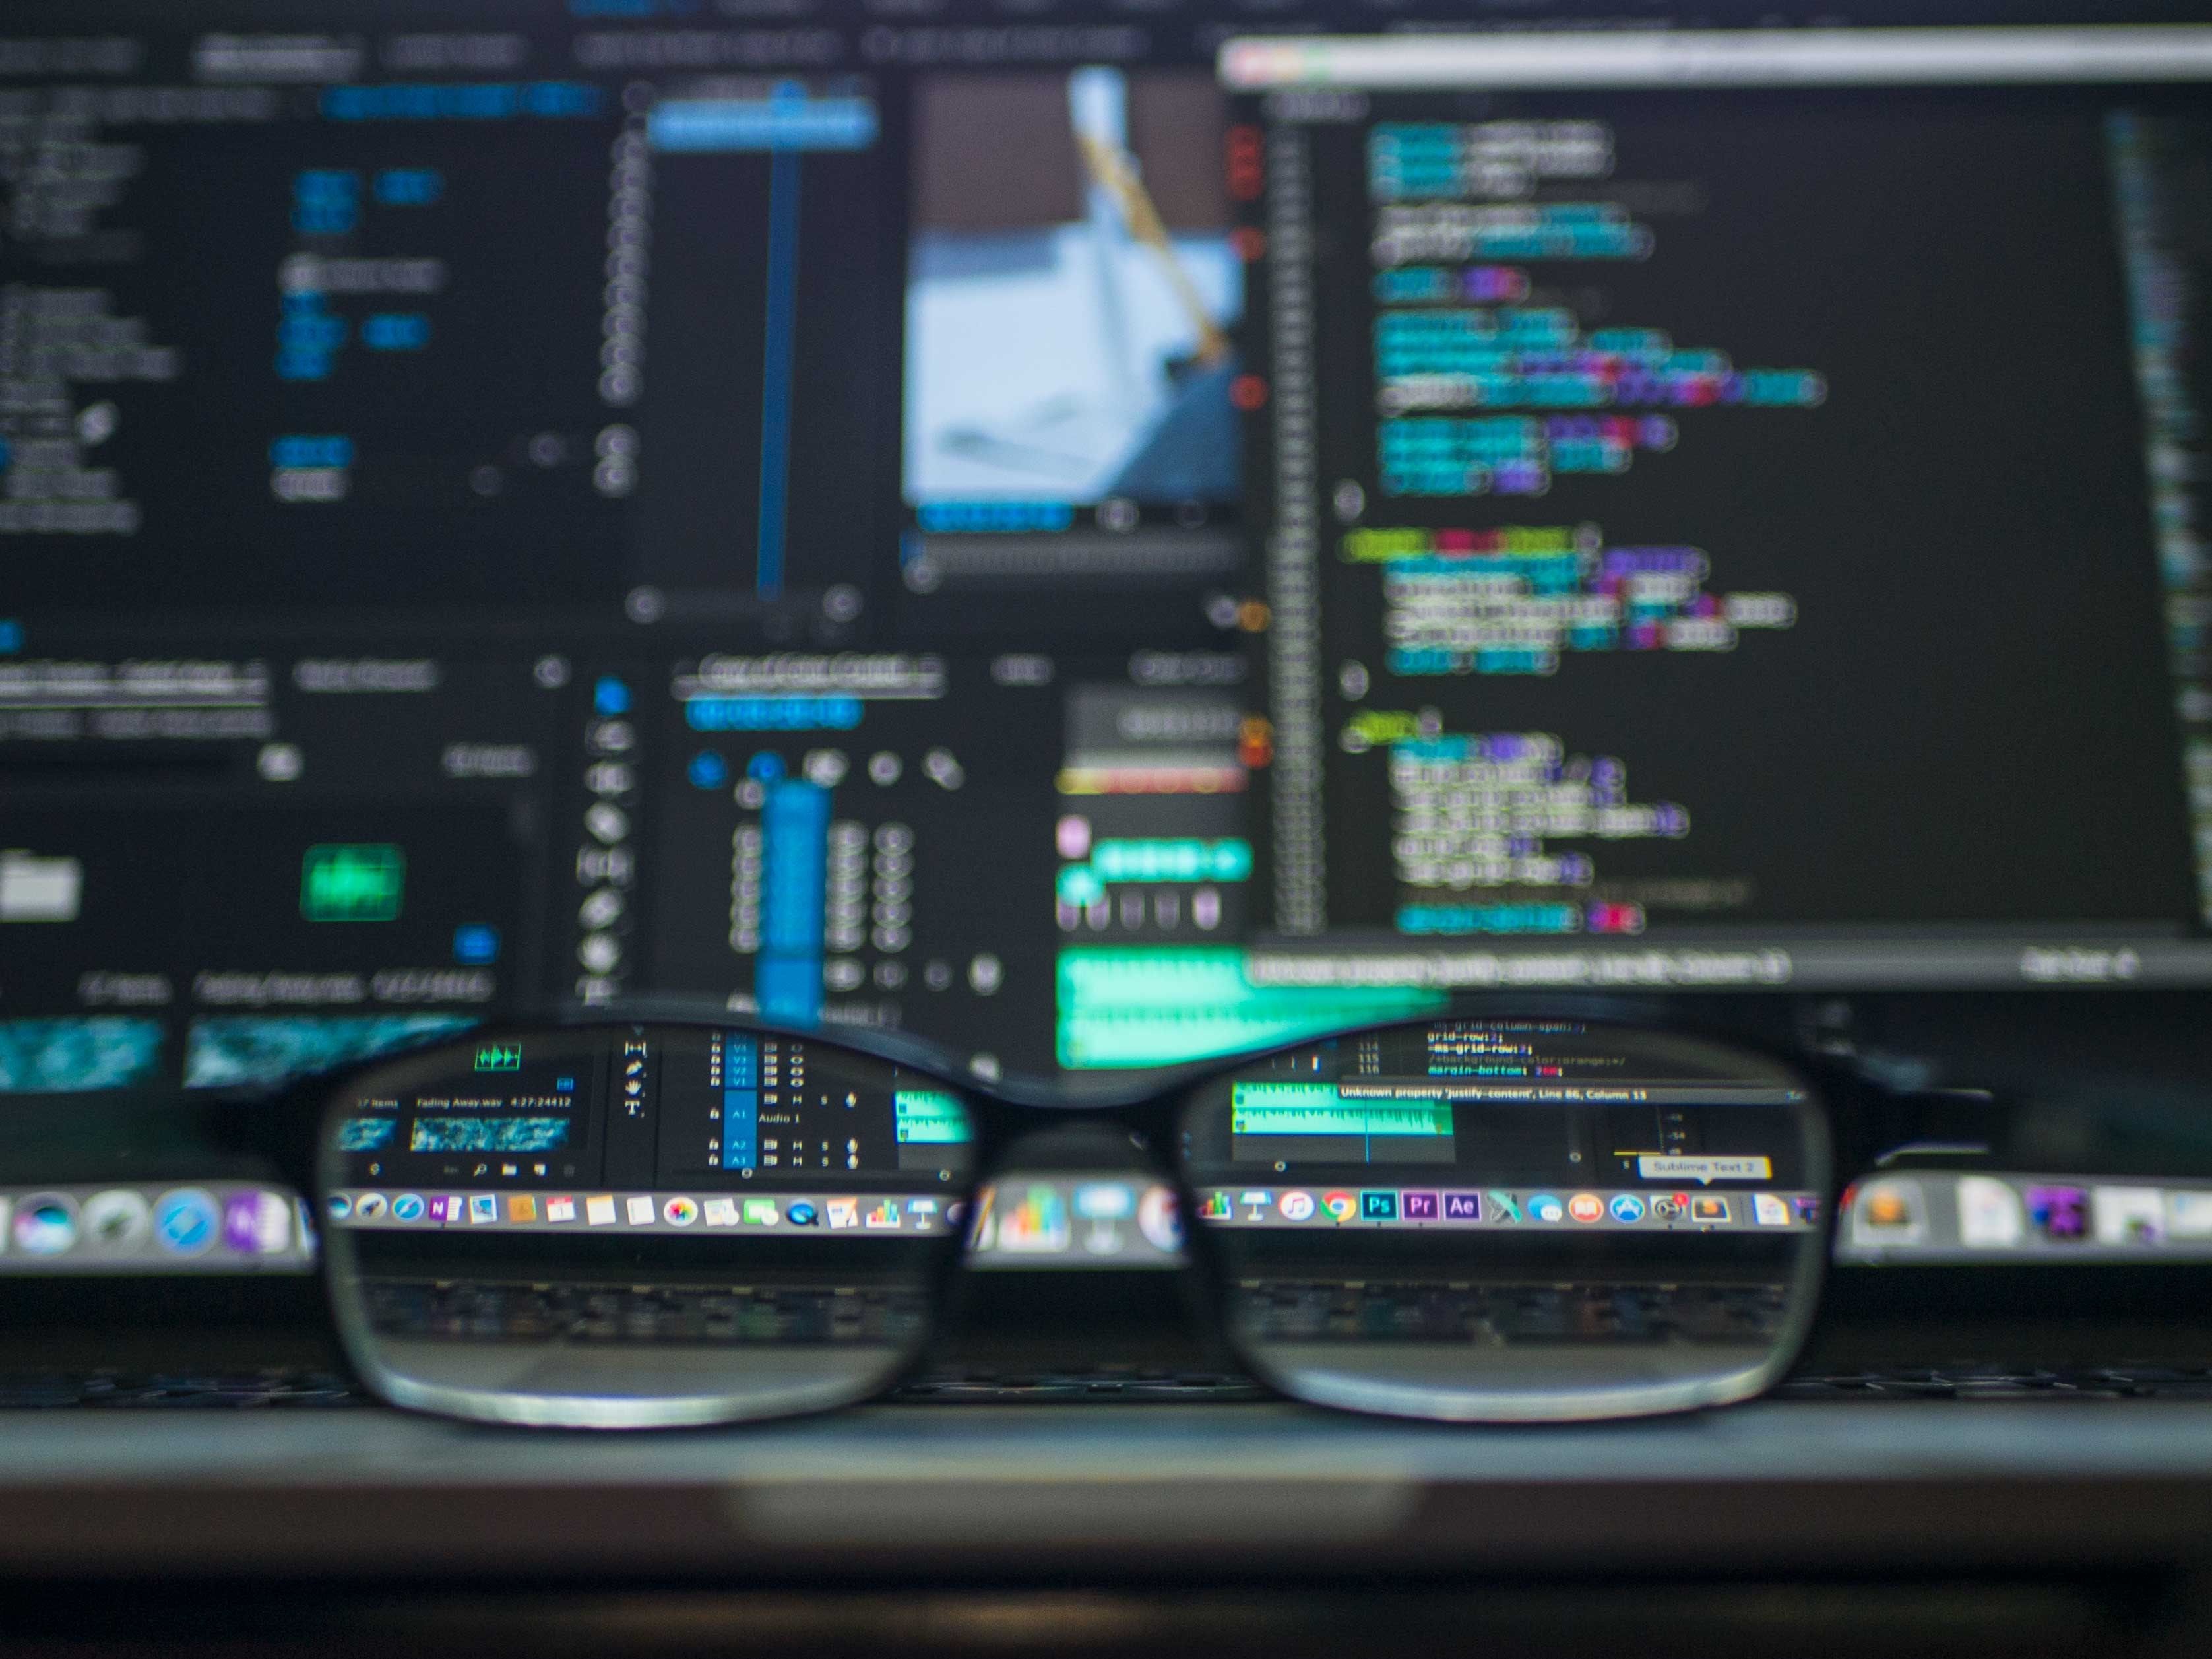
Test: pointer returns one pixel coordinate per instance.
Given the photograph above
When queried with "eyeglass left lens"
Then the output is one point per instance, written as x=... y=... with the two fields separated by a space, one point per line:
x=638 y=1226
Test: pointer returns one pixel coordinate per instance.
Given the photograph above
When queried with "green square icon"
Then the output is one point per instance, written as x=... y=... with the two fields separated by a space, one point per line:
x=358 y=882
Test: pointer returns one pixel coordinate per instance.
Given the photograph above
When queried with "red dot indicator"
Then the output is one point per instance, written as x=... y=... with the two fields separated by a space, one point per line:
x=1247 y=175
x=1247 y=392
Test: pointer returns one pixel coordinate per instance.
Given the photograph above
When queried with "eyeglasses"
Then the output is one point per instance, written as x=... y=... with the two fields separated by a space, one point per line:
x=676 y=1223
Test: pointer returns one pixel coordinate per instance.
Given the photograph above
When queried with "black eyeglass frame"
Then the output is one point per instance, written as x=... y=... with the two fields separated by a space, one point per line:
x=287 y=1131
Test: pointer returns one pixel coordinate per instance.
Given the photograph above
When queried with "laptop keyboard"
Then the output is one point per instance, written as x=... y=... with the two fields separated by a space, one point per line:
x=2015 y=1382
x=244 y=1390
x=280 y=1390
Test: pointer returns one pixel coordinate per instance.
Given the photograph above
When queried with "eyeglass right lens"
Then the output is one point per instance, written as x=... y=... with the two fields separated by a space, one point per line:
x=1495 y=1220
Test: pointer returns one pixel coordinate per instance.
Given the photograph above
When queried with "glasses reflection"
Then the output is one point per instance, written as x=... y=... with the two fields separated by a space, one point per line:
x=1502 y=1209
x=705 y=1216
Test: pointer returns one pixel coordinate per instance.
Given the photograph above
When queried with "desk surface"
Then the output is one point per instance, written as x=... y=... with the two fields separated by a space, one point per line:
x=1008 y=1491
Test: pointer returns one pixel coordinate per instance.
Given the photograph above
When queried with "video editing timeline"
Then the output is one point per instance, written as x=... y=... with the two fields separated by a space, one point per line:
x=770 y=1117
x=1989 y=1217
x=601 y=1129
x=799 y=551
x=1601 y=614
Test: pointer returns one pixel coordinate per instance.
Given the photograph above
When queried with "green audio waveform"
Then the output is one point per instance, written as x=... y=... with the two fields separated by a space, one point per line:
x=929 y=1117
x=1282 y=1108
x=1161 y=1004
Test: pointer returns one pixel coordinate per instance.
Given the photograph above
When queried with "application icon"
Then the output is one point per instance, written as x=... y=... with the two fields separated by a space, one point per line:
x=1669 y=1206
x=1296 y=1206
x=1544 y=1206
x=799 y=1212
x=1770 y=1210
x=1157 y=1220
x=484 y=1209
x=1379 y=1206
x=983 y=1231
x=2189 y=1215
x=1586 y=1207
x=761 y=1212
x=1807 y=1207
x=278 y=1216
x=1036 y=1222
x=1989 y=1214
x=1501 y=1206
x=1106 y=1200
x=843 y=1213
x=256 y=1223
x=1217 y=1207
x=883 y=1216
x=1255 y=1200
x=1709 y=1210
x=679 y=1211
x=369 y=1206
x=1418 y=1206
x=2125 y=1215
x=561 y=1208
x=599 y=1211
x=922 y=1208
x=1625 y=1207
x=339 y=1205
x=639 y=1210
x=521 y=1209
x=443 y=1209
x=117 y=1222
x=46 y=1224
x=185 y=1220
x=1462 y=1206
x=1888 y=1210
x=409 y=1206
x=720 y=1212
x=2059 y=1213
x=1341 y=1206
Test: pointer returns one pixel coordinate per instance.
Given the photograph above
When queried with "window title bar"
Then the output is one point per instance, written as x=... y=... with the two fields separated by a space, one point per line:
x=1717 y=57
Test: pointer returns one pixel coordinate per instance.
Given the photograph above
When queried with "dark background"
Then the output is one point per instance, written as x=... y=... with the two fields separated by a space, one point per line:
x=1972 y=718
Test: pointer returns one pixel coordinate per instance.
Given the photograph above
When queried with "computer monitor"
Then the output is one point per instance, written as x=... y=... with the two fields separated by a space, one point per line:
x=1096 y=538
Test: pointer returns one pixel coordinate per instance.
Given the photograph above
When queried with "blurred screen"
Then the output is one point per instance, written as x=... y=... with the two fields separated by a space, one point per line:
x=1095 y=542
